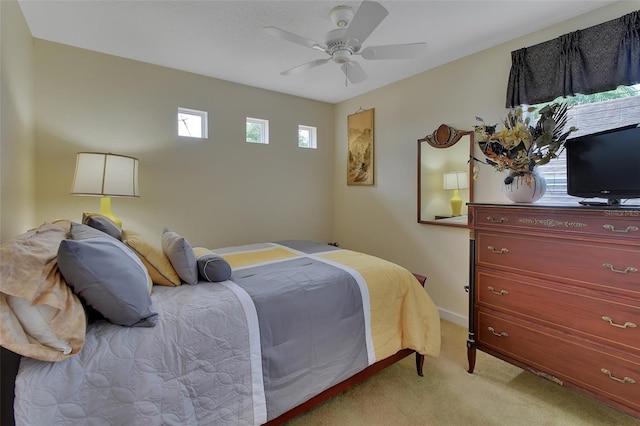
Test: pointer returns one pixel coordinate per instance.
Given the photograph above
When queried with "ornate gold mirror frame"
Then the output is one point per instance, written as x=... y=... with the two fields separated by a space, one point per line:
x=445 y=177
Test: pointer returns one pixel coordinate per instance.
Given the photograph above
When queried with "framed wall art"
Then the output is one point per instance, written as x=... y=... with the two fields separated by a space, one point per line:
x=360 y=148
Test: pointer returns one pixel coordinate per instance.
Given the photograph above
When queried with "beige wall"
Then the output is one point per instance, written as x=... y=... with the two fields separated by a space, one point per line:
x=17 y=184
x=381 y=219
x=217 y=192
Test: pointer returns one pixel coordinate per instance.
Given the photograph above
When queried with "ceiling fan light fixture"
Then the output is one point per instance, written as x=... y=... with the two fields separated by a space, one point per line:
x=341 y=56
x=341 y=15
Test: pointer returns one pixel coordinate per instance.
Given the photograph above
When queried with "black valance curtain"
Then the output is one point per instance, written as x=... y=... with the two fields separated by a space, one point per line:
x=587 y=61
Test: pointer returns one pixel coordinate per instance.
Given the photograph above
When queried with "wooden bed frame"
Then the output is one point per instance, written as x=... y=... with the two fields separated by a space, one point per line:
x=10 y=361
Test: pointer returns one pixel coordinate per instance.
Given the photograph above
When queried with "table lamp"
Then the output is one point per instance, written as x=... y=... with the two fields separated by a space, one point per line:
x=106 y=175
x=456 y=181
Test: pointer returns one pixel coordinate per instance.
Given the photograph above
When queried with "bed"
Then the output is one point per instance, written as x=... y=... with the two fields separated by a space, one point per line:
x=294 y=323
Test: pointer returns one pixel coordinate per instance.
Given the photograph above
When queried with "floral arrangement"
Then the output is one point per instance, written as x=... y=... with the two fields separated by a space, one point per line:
x=519 y=146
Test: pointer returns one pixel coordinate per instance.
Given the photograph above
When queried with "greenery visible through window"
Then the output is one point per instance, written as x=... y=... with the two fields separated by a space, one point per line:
x=257 y=130
x=192 y=123
x=307 y=136
x=590 y=114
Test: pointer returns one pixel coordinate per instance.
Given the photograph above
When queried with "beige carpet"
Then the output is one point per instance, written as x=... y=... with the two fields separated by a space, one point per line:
x=497 y=393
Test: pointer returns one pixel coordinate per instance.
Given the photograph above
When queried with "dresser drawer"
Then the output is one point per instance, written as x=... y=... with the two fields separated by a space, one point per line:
x=612 y=223
x=609 y=267
x=598 y=371
x=569 y=309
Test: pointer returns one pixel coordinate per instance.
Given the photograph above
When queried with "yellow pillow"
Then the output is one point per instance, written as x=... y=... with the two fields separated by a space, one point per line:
x=157 y=264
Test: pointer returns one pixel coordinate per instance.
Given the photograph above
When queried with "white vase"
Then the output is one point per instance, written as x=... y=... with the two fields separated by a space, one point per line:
x=526 y=187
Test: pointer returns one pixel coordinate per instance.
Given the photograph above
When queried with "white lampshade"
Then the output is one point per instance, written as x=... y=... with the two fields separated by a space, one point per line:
x=456 y=180
x=105 y=175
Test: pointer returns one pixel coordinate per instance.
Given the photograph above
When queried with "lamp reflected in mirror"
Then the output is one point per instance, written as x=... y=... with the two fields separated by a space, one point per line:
x=456 y=181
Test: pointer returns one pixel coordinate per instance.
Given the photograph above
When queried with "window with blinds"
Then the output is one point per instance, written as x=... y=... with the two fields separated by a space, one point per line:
x=588 y=118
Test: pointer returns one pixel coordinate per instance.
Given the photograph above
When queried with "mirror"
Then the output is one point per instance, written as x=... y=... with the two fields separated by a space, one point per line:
x=445 y=177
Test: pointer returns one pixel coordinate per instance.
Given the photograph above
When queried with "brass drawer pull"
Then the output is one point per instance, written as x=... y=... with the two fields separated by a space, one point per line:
x=501 y=251
x=495 y=220
x=499 y=293
x=612 y=228
x=625 y=325
x=503 y=334
x=612 y=377
x=620 y=271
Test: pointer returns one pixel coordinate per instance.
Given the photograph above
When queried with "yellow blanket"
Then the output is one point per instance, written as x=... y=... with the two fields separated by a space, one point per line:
x=402 y=313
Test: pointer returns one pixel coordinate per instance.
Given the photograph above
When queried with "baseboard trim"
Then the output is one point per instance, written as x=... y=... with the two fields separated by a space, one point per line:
x=453 y=317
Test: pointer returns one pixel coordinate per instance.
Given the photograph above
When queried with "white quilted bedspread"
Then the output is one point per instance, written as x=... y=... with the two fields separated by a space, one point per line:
x=154 y=376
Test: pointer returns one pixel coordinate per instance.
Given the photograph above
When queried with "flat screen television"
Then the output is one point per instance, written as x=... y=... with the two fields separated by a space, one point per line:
x=605 y=165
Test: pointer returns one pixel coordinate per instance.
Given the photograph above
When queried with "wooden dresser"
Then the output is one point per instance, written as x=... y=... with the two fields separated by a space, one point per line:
x=556 y=291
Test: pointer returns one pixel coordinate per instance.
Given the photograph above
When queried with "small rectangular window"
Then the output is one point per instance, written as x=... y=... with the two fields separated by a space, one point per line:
x=307 y=136
x=192 y=123
x=257 y=130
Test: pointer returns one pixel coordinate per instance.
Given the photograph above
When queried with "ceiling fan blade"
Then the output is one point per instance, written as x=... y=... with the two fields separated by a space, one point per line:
x=304 y=67
x=394 y=51
x=294 y=38
x=354 y=72
x=366 y=19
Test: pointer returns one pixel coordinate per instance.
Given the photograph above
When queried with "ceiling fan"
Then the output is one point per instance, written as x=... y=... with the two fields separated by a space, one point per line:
x=345 y=42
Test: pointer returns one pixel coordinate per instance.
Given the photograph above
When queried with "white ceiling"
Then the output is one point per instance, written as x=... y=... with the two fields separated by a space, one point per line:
x=225 y=39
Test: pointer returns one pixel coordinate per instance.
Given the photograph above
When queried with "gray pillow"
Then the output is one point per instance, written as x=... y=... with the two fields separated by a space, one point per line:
x=110 y=278
x=213 y=268
x=82 y=232
x=180 y=254
x=102 y=223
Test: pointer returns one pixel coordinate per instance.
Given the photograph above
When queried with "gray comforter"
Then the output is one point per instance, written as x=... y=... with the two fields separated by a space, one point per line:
x=312 y=331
